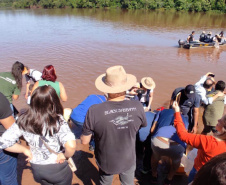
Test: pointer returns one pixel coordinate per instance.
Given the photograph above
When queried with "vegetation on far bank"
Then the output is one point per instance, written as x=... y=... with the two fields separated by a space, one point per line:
x=187 y=5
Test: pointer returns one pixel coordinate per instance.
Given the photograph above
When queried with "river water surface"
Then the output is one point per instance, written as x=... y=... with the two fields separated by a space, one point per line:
x=82 y=44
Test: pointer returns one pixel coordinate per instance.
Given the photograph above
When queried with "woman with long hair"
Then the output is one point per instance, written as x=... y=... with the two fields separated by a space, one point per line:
x=208 y=146
x=49 y=78
x=46 y=132
x=11 y=82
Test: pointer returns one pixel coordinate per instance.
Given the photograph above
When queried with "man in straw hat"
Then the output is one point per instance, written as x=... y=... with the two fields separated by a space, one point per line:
x=148 y=85
x=115 y=124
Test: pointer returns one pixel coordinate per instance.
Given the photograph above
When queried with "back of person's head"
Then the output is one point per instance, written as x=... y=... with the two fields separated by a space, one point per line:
x=44 y=111
x=213 y=172
x=17 y=70
x=49 y=73
x=220 y=86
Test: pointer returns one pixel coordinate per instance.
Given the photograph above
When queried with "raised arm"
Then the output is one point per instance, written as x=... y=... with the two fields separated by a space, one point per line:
x=195 y=140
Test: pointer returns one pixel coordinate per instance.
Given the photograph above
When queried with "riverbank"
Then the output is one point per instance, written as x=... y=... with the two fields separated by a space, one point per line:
x=178 y=5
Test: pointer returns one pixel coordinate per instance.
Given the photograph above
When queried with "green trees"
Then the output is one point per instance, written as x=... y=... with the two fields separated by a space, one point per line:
x=179 y=5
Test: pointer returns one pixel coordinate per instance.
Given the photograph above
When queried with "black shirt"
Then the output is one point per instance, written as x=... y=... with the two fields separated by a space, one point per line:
x=5 y=111
x=115 y=125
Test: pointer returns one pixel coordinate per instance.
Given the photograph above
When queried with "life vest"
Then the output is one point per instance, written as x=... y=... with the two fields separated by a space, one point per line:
x=202 y=37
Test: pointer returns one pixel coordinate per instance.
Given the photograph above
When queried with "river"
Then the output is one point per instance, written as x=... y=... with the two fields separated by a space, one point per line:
x=83 y=43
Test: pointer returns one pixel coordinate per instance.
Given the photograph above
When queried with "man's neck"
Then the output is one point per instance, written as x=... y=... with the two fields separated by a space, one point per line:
x=120 y=98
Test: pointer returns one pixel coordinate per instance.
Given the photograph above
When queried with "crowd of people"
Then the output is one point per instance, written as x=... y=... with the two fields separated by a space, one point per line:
x=207 y=37
x=115 y=124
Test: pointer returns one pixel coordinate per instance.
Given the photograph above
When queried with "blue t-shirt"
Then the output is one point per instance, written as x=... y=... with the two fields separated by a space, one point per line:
x=79 y=113
x=165 y=127
x=145 y=131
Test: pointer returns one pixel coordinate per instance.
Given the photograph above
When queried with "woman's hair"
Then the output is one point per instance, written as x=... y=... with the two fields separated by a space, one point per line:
x=222 y=136
x=17 y=70
x=213 y=172
x=49 y=73
x=44 y=112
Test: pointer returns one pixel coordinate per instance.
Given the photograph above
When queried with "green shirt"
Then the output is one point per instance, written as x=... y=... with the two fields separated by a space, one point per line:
x=55 y=85
x=8 y=85
x=214 y=111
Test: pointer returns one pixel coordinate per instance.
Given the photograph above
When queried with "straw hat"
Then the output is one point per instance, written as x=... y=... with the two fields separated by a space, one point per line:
x=148 y=83
x=115 y=80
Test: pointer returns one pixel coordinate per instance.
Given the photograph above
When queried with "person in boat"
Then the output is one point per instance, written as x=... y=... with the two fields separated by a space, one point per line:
x=191 y=37
x=202 y=36
x=221 y=37
x=209 y=37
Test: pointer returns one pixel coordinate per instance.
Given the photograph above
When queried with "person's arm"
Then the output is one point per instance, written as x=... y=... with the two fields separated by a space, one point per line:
x=17 y=148
x=196 y=118
x=195 y=140
x=63 y=95
x=188 y=38
x=15 y=97
x=213 y=98
x=85 y=139
x=27 y=89
x=150 y=101
x=10 y=136
x=34 y=87
x=7 y=122
x=87 y=130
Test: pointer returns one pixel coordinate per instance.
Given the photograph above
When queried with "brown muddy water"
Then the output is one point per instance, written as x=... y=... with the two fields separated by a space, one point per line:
x=81 y=44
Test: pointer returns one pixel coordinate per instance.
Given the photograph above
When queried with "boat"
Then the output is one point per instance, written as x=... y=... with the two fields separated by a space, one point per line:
x=197 y=44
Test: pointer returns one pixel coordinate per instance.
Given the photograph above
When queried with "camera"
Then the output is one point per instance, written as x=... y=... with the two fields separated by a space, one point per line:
x=140 y=91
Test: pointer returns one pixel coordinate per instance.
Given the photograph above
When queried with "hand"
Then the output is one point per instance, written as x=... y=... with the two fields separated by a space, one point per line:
x=220 y=94
x=194 y=130
x=176 y=107
x=28 y=153
x=26 y=95
x=60 y=158
x=146 y=109
x=209 y=73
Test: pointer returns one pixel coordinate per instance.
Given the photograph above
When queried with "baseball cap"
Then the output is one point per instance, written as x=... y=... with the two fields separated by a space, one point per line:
x=190 y=91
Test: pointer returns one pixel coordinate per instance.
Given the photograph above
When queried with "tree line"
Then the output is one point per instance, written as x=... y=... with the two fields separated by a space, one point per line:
x=186 y=5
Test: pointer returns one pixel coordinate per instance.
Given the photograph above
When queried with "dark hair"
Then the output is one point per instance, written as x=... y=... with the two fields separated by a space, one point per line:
x=213 y=172
x=208 y=83
x=193 y=32
x=220 y=86
x=49 y=73
x=44 y=112
x=17 y=70
x=31 y=87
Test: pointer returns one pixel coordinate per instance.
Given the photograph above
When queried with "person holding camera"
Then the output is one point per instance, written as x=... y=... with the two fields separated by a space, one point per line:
x=205 y=86
x=146 y=92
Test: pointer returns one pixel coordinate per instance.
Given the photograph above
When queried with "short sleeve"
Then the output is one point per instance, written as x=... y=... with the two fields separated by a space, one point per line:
x=197 y=101
x=88 y=125
x=16 y=91
x=5 y=110
x=65 y=134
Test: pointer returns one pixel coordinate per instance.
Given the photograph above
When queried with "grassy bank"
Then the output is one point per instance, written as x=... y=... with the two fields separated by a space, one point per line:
x=185 y=5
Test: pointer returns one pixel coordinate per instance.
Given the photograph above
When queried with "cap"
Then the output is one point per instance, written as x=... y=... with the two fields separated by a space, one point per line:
x=190 y=91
